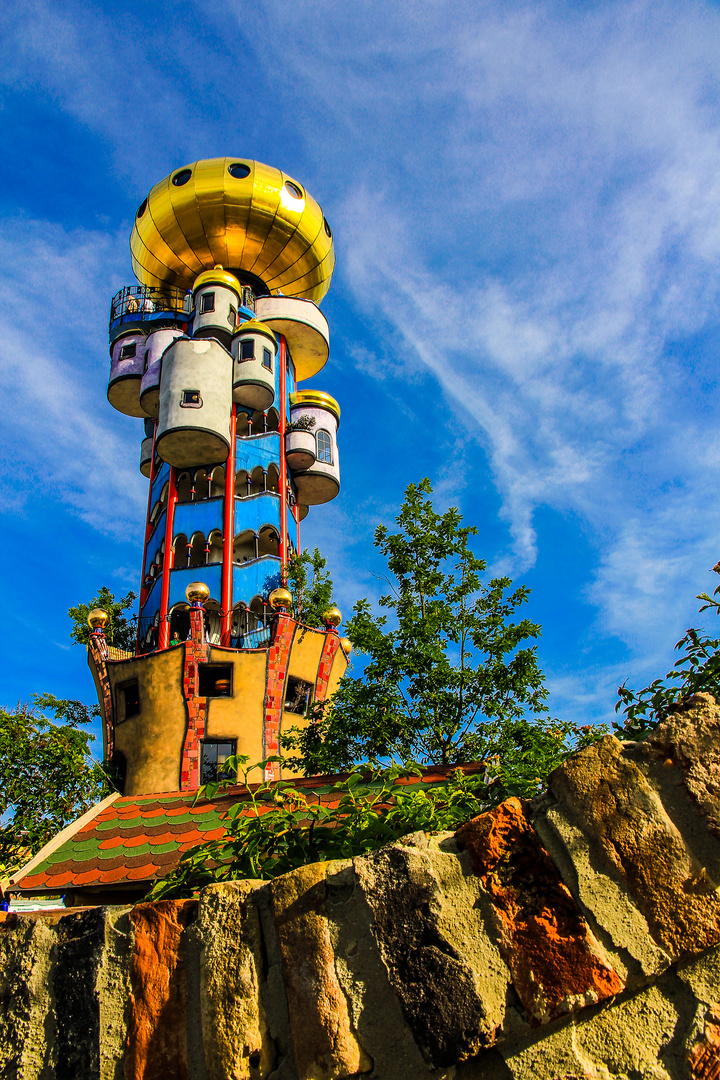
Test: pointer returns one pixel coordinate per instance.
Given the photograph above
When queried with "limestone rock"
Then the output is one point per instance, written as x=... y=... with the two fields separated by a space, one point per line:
x=690 y=739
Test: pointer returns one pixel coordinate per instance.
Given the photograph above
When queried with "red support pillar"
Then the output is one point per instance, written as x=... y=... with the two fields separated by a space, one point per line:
x=164 y=633
x=148 y=530
x=228 y=530
x=283 y=466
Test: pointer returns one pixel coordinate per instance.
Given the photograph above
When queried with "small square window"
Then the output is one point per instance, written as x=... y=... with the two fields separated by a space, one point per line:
x=247 y=350
x=267 y=359
x=214 y=754
x=128 y=351
x=129 y=700
x=191 y=399
x=215 y=680
x=207 y=302
x=297 y=695
x=232 y=315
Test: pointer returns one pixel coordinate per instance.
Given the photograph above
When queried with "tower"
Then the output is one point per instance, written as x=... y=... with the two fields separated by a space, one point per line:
x=212 y=350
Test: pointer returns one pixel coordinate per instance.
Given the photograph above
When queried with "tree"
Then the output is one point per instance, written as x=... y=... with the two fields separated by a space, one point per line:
x=697 y=670
x=48 y=776
x=311 y=585
x=120 y=630
x=449 y=677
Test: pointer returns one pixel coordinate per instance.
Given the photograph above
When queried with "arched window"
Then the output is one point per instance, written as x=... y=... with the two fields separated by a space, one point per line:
x=257 y=482
x=273 y=420
x=273 y=478
x=180 y=549
x=241 y=484
x=215 y=555
x=244 y=546
x=184 y=487
x=217 y=482
x=268 y=541
x=324 y=447
x=197 y=550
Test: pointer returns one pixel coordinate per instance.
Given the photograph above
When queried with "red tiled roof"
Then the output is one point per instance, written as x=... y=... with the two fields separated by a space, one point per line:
x=140 y=838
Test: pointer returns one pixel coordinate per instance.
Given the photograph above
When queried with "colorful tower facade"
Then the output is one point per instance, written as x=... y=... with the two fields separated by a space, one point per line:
x=212 y=350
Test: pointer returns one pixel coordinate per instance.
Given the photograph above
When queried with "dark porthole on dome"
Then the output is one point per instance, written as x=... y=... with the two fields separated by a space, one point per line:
x=294 y=190
x=328 y=230
x=141 y=208
x=181 y=177
x=238 y=170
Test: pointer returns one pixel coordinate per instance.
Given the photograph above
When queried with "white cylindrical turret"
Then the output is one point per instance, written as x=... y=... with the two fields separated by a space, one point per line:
x=155 y=345
x=216 y=298
x=127 y=357
x=319 y=481
x=254 y=350
x=195 y=403
x=146 y=448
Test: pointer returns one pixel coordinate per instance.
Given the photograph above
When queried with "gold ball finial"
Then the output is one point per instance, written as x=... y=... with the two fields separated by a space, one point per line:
x=346 y=645
x=197 y=592
x=98 y=618
x=280 y=598
x=333 y=616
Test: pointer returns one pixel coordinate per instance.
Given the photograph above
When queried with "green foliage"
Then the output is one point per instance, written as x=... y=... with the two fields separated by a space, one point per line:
x=372 y=810
x=304 y=423
x=697 y=670
x=311 y=585
x=47 y=774
x=120 y=631
x=450 y=676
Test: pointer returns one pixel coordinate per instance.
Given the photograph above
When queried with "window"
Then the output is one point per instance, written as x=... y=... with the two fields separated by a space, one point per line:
x=215 y=680
x=181 y=177
x=324 y=447
x=207 y=302
x=129 y=700
x=232 y=315
x=128 y=351
x=118 y=765
x=214 y=754
x=191 y=399
x=267 y=359
x=247 y=350
x=239 y=170
x=297 y=695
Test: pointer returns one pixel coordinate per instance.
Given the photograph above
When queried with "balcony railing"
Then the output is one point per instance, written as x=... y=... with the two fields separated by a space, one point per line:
x=141 y=302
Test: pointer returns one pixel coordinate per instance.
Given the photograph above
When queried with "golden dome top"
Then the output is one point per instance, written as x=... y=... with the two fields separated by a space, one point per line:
x=242 y=215
x=254 y=326
x=98 y=618
x=315 y=397
x=218 y=276
x=281 y=597
x=333 y=616
x=197 y=592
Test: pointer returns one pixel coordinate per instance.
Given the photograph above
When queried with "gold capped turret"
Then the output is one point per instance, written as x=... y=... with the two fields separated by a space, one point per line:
x=253 y=326
x=242 y=215
x=218 y=276
x=316 y=397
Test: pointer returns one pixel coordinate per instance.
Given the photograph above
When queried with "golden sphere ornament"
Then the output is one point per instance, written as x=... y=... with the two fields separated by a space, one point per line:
x=332 y=617
x=346 y=645
x=280 y=598
x=98 y=619
x=197 y=592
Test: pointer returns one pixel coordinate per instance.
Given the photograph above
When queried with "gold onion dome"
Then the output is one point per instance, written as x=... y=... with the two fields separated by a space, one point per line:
x=197 y=592
x=98 y=619
x=332 y=616
x=281 y=597
x=242 y=215
x=218 y=276
x=254 y=326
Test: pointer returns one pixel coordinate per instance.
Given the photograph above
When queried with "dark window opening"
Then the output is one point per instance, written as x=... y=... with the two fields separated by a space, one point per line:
x=191 y=399
x=141 y=208
x=118 y=771
x=128 y=351
x=181 y=177
x=179 y=625
x=207 y=302
x=215 y=680
x=328 y=232
x=267 y=359
x=238 y=170
x=324 y=447
x=247 y=350
x=294 y=190
x=214 y=754
x=232 y=315
x=129 y=699
x=297 y=695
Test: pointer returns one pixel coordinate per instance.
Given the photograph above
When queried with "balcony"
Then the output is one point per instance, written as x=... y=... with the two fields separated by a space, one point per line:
x=147 y=307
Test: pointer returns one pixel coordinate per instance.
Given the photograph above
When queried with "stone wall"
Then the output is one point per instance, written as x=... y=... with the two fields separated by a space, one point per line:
x=576 y=936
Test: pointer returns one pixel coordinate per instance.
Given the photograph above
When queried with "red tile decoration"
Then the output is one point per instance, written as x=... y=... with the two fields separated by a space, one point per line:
x=196 y=652
x=278 y=658
x=330 y=648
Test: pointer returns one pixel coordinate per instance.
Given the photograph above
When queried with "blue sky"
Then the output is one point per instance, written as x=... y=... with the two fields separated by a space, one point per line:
x=526 y=208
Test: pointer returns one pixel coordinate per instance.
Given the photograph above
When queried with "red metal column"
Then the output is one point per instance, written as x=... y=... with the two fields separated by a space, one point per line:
x=164 y=635
x=228 y=531
x=148 y=530
x=283 y=466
